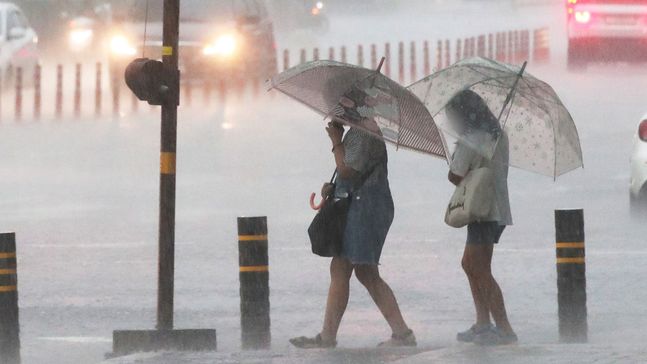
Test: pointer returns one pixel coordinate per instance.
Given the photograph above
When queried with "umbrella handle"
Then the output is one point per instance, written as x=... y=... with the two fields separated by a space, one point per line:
x=312 y=202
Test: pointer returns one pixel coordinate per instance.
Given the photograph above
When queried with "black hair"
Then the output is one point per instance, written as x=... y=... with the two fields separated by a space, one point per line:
x=475 y=113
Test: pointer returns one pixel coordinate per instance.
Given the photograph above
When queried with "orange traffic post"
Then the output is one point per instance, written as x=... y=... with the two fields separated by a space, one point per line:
x=59 y=91
x=302 y=56
x=373 y=56
x=360 y=55
x=439 y=55
x=459 y=47
x=426 y=60
x=401 y=62
x=286 y=59
x=18 y=106
x=413 y=67
x=387 y=60
x=98 y=89
x=37 y=91
x=77 y=91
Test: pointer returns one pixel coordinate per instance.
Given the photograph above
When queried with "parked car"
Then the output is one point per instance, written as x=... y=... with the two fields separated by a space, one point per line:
x=219 y=39
x=18 y=44
x=638 y=188
x=606 y=30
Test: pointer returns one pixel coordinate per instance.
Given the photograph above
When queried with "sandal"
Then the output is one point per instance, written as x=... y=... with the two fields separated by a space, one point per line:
x=316 y=342
x=402 y=340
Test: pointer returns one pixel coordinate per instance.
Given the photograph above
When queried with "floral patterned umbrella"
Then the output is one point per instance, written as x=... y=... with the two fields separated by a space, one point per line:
x=365 y=99
x=541 y=133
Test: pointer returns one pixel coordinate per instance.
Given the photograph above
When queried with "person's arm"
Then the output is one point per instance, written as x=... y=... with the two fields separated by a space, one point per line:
x=335 y=133
x=460 y=164
x=454 y=178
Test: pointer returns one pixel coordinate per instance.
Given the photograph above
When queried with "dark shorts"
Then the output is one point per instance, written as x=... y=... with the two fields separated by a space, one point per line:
x=484 y=233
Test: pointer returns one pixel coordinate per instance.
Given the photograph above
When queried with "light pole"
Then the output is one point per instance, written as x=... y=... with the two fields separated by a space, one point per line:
x=159 y=84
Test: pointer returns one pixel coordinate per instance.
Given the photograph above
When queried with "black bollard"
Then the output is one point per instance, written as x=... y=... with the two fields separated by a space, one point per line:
x=571 y=276
x=254 y=283
x=9 y=324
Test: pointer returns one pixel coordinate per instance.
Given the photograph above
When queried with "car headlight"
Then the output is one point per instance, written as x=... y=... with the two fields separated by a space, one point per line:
x=80 y=37
x=224 y=46
x=120 y=45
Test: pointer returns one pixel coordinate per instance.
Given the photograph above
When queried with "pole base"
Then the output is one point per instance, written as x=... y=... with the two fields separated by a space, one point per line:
x=125 y=342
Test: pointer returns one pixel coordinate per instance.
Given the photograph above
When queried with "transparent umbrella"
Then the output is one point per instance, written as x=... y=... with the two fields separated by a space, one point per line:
x=541 y=134
x=366 y=99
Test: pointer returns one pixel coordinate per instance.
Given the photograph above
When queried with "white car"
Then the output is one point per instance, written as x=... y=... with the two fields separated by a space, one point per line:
x=18 y=44
x=638 y=189
x=606 y=30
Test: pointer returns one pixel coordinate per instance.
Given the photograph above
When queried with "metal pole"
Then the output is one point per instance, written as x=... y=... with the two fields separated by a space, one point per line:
x=571 y=276
x=167 y=170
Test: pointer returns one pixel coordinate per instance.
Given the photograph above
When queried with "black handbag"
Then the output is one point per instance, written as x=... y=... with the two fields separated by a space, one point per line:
x=326 y=230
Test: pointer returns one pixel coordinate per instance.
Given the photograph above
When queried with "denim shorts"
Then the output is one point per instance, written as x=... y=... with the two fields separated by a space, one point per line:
x=484 y=232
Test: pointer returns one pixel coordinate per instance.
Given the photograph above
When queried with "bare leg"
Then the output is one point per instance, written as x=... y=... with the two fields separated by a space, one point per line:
x=383 y=297
x=480 y=257
x=340 y=272
x=480 y=302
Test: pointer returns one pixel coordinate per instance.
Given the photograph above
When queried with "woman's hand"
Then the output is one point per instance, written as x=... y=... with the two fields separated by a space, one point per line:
x=327 y=190
x=335 y=132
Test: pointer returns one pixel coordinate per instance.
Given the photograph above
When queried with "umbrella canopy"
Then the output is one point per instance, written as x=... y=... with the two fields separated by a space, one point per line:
x=366 y=99
x=541 y=133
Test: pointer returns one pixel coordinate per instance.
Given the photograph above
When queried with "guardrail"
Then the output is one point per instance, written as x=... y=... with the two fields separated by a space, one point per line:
x=93 y=86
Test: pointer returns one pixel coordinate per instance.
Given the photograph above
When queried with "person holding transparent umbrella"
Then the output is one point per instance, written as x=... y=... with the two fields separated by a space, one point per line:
x=473 y=119
x=376 y=110
x=361 y=164
x=532 y=130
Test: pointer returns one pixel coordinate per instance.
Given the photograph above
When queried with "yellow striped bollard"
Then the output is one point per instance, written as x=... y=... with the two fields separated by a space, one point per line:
x=9 y=324
x=571 y=276
x=254 y=282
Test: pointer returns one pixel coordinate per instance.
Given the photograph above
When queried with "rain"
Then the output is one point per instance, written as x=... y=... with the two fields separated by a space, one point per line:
x=81 y=173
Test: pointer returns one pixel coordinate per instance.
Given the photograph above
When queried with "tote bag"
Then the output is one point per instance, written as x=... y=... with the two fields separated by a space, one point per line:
x=473 y=199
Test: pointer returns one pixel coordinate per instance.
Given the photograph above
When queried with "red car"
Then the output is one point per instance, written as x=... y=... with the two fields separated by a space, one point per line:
x=606 y=30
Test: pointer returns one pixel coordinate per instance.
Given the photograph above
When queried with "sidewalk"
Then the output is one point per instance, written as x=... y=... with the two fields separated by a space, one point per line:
x=531 y=354
x=456 y=354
